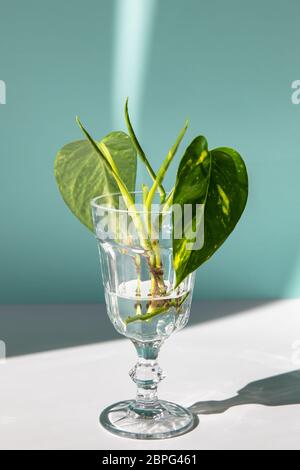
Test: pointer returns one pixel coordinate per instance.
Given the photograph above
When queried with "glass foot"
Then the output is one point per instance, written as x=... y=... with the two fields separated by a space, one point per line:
x=163 y=421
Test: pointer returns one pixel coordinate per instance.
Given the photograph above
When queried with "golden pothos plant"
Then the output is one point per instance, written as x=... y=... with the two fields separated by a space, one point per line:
x=217 y=179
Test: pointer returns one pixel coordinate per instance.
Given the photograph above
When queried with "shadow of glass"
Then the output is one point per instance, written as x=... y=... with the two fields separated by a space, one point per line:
x=280 y=390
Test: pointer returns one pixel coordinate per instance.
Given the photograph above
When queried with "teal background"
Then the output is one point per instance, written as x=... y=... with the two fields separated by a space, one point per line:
x=226 y=64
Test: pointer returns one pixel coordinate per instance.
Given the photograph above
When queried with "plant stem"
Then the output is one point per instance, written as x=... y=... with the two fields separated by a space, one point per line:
x=168 y=202
x=137 y=262
x=145 y=191
x=122 y=187
x=147 y=215
x=153 y=312
x=157 y=182
x=164 y=167
x=146 y=316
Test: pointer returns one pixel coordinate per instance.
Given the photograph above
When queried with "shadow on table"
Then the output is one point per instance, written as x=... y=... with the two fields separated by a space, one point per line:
x=28 y=329
x=279 y=390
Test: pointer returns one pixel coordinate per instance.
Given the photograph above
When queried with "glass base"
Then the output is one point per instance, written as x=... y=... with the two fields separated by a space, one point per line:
x=162 y=421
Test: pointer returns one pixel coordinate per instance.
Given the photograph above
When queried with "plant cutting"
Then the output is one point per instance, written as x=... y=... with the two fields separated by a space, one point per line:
x=151 y=242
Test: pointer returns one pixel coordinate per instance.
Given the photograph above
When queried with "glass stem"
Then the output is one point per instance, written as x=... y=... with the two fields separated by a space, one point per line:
x=146 y=374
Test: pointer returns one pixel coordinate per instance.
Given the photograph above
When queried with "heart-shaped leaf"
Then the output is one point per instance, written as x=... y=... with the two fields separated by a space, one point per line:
x=81 y=174
x=218 y=179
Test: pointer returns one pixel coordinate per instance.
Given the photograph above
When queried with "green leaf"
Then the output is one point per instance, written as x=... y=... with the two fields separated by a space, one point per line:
x=218 y=179
x=81 y=174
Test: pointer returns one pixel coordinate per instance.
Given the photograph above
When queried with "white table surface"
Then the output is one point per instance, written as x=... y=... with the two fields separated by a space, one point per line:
x=51 y=400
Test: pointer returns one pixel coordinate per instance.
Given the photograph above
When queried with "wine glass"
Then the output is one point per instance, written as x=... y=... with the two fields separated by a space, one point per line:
x=145 y=305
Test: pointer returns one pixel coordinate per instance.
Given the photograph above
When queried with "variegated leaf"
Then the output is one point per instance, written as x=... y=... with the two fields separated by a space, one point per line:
x=81 y=175
x=218 y=179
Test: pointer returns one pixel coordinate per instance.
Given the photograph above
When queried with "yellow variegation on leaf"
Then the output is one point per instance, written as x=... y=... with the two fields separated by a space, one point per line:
x=218 y=180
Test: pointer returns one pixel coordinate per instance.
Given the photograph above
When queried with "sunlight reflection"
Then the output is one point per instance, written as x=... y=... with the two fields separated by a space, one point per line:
x=133 y=28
